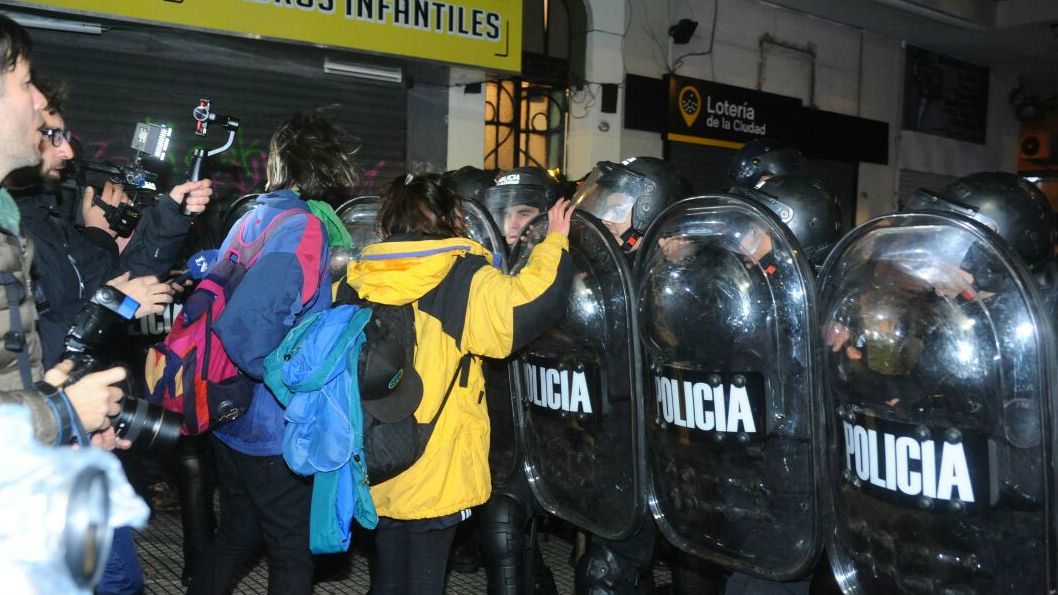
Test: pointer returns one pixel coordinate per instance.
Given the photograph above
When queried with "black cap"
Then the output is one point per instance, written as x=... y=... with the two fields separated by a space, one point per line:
x=390 y=388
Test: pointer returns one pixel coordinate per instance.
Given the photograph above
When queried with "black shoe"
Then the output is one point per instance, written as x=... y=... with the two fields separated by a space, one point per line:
x=465 y=558
x=544 y=581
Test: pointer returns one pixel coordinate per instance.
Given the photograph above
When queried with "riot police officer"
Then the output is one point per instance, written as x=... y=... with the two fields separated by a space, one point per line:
x=1012 y=207
x=627 y=197
x=470 y=182
x=508 y=518
x=760 y=159
x=520 y=195
x=807 y=210
x=814 y=218
x=932 y=332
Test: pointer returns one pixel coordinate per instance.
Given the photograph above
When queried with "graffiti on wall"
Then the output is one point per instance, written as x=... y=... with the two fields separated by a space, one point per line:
x=242 y=169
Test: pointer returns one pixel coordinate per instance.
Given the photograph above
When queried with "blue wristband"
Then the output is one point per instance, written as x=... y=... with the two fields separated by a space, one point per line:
x=128 y=307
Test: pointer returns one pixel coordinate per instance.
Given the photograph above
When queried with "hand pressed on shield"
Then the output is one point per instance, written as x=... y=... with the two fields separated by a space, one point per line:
x=559 y=217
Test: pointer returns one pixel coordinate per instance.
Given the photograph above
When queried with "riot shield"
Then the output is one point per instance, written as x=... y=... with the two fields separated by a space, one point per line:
x=499 y=375
x=360 y=217
x=726 y=306
x=482 y=229
x=578 y=385
x=938 y=372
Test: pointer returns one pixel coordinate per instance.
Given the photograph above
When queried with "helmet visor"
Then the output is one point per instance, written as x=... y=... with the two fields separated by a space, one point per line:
x=512 y=207
x=610 y=192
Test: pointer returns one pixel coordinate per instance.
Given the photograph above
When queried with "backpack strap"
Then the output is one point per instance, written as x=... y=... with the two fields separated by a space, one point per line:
x=15 y=338
x=249 y=251
x=462 y=374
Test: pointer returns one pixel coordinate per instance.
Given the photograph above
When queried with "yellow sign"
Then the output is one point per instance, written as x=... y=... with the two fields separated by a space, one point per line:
x=484 y=33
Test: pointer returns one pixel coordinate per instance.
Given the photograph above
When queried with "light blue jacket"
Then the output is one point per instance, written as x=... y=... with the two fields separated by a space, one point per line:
x=314 y=374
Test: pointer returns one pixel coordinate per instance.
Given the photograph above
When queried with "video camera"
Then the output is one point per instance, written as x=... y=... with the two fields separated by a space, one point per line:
x=150 y=142
x=147 y=425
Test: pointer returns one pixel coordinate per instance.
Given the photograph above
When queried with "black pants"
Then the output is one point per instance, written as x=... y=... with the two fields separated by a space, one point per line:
x=411 y=562
x=261 y=500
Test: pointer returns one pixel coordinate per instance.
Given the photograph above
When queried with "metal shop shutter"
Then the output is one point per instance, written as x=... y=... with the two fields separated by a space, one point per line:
x=707 y=167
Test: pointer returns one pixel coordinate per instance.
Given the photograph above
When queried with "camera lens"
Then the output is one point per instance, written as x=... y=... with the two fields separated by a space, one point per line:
x=148 y=426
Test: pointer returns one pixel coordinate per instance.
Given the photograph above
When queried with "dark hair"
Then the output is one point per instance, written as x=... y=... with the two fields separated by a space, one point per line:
x=421 y=205
x=14 y=44
x=56 y=94
x=311 y=153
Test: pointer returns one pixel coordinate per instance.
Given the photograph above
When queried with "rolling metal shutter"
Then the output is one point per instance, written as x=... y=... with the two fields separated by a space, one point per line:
x=706 y=168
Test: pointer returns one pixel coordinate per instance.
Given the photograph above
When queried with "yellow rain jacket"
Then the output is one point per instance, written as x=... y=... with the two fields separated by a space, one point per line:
x=463 y=305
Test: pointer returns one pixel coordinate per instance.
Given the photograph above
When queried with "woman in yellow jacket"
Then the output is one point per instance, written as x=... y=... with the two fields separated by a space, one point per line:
x=463 y=306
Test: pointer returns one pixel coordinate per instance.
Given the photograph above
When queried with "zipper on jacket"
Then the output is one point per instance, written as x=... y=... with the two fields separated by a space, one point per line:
x=80 y=279
x=481 y=397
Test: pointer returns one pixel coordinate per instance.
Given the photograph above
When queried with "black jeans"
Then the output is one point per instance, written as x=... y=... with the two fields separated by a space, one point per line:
x=411 y=562
x=261 y=500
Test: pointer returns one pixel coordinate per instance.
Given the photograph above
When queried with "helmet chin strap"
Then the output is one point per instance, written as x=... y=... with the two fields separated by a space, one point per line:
x=629 y=240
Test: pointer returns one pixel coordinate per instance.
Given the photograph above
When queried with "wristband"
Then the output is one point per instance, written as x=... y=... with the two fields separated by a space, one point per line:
x=128 y=307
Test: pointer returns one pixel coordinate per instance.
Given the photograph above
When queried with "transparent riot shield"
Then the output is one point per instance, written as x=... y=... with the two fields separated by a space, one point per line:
x=579 y=390
x=499 y=374
x=726 y=307
x=482 y=229
x=938 y=369
x=360 y=217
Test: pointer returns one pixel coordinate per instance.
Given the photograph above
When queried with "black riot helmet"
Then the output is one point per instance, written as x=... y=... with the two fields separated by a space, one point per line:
x=469 y=182
x=807 y=209
x=636 y=191
x=238 y=207
x=531 y=187
x=763 y=157
x=1007 y=203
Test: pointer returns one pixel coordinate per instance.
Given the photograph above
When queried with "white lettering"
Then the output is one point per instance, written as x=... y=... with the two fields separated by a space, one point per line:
x=703 y=419
x=559 y=390
x=699 y=406
x=727 y=108
x=554 y=400
x=910 y=466
x=740 y=415
x=580 y=400
x=907 y=450
x=954 y=474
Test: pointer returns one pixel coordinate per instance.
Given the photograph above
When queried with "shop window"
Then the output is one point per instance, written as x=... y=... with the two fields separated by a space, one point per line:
x=525 y=124
x=525 y=117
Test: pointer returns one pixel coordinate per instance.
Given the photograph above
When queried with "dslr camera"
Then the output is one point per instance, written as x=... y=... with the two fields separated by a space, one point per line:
x=147 y=425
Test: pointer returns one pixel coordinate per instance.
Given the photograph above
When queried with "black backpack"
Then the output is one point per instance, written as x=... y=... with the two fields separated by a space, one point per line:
x=392 y=448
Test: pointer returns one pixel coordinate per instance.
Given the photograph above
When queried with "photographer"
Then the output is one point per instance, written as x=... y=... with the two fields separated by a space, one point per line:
x=68 y=264
x=91 y=400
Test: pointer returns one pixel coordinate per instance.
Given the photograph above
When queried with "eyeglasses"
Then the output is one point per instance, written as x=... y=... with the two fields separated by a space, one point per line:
x=57 y=135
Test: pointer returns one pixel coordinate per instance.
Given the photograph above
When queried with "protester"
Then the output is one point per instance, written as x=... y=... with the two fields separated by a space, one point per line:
x=262 y=500
x=464 y=309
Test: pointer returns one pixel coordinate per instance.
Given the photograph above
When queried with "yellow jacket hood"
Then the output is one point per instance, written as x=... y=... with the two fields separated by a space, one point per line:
x=399 y=273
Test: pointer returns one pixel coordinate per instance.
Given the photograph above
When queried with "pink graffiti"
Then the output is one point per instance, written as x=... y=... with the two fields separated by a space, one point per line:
x=367 y=182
